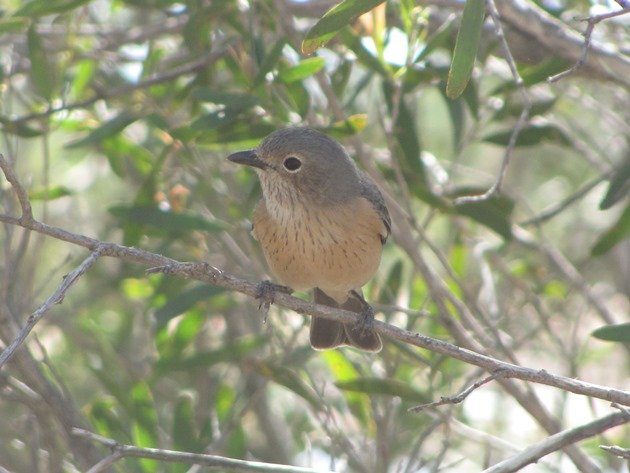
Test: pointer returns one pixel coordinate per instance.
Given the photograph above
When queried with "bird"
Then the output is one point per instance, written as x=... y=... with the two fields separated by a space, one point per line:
x=322 y=224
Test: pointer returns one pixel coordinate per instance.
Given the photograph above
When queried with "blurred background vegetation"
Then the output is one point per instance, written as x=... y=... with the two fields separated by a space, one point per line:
x=118 y=115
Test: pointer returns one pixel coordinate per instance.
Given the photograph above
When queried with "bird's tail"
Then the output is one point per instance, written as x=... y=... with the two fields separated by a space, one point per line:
x=327 y=334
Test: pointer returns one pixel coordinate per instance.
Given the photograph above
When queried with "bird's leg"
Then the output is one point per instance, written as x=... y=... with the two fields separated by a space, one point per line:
x=367 y=312
x=266 y=292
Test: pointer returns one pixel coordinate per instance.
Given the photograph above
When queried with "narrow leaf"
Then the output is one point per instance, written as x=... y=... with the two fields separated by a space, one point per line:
x=42 y=69
x=466 y=47
x=613 y=333
x=619 y=186
x=50 y=193
x=107 y=129
x=163 y=219
x=333 y=20
x=618 y=232
x=531 y=135
x=306 y=68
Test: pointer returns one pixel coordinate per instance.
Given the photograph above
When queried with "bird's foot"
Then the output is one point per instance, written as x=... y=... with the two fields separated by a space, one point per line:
x=266 y=293
x=366 y=319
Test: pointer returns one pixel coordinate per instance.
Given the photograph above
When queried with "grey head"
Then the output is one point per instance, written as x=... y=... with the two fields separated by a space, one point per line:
x=303 y=164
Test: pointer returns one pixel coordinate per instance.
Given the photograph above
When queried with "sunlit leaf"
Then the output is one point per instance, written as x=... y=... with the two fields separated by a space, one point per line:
x=51 y=193
x=333 y=20
x=348 y=127
x=466 y=47
x=306 y=68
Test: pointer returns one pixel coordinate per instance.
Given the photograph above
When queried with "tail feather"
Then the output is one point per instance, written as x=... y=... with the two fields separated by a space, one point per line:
x=326 y=334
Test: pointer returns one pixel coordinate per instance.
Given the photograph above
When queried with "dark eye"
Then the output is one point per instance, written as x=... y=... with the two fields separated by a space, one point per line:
x=292 y=164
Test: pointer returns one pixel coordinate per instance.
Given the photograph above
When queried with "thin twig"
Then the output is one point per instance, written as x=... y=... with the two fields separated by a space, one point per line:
x=214 y=461
x=461 y=396
x=191 y=67
x=591 y=22
x=522 y=119
x=558 y=441
x=558 y=207
x=56 y=298
x=617 y=451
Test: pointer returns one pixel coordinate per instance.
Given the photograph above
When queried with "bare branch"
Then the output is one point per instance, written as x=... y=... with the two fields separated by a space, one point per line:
x=558 y=441
x=225 y=463
x=193 y=66
x=551 y=33
x=20 y=192
x=617 y=451
x=206 y=273
x=461 y=396
x=591 y=22
x=56 y=298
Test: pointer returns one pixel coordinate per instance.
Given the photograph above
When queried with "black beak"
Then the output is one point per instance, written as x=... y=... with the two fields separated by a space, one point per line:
x=249 y=158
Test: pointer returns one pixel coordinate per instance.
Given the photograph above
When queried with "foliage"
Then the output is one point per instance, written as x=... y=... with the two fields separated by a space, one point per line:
x=118 y=115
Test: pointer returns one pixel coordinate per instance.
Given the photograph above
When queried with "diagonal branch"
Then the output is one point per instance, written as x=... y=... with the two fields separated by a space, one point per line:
x=120 y=450
x=56 y=298
x=558 y=441
x=205 y=273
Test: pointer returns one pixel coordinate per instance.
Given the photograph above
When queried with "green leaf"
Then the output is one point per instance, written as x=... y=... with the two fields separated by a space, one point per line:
x=384 y=387
x=270 y=62
x=333 y=20
x=165 y=220
x=306 y=68
x=618 y=232
x=144 y=415
x=232 y=352
x=238 y=133
x=466 y=47
x=613 y=333
x=437 y=39
x=348 y=127
x=289 y=379
x=51 y=193
x=184 y=301
x=109 y=128
x=230 y=100
x=184 y=432
x=15 y=24
x=619 y=186
x=42 y=69
x=407 y=138
x=531 y=135
x=48 y=7
x=494 y=213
